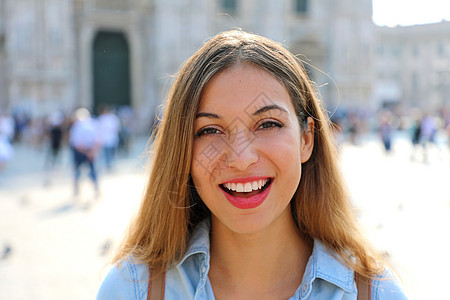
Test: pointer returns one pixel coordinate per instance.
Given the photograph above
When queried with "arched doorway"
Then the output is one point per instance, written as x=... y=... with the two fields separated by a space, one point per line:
x=111 y=70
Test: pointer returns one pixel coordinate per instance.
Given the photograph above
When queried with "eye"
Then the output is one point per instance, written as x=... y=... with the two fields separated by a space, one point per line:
x=207 y=131
x=270 y=125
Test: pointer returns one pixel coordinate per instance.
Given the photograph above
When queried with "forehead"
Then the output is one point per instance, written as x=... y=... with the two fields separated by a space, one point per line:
x=244 y=87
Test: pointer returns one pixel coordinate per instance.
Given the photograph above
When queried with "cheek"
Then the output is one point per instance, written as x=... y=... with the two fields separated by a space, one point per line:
x=207 y=154
x=199 y=178
x=289 y=162
x=284 y=147
x=287 y=159
x=203 y=178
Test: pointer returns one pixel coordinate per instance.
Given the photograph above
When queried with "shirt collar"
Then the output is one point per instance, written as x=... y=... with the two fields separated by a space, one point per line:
x=323 y=263
x=328 y=266
x=199 y=241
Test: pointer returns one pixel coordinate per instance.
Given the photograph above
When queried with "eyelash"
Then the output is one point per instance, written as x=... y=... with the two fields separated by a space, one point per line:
x=207 y=130
x=272 y=124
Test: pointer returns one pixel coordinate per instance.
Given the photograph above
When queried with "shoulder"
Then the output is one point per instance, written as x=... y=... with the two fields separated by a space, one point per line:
x=337 y=277
x=387 y=287
x=129 y=280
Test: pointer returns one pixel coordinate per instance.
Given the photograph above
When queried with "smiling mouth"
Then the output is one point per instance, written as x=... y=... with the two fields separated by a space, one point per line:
x=246 y=190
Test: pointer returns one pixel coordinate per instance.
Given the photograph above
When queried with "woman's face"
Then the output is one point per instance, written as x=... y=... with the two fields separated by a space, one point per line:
x=248 y=149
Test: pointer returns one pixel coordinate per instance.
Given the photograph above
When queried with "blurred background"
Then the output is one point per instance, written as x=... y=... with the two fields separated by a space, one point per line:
x=382 y=68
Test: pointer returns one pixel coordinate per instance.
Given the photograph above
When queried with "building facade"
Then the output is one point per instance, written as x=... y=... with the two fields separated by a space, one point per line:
x=61 y=54
x=412 y=66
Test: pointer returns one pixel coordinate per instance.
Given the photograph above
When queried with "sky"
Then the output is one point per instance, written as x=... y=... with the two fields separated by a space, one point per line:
x=410 y=12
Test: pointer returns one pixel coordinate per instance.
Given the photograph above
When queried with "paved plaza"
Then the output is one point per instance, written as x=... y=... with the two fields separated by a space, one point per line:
x=55 y=246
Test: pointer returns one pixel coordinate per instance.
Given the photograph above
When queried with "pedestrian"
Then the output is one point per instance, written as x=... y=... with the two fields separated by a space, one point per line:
x=353 y=127
x=6 y=136
x=109 y=128
x=55 y=131
x=446 y=118
x=85 y=143
x=6 y=150
x=245 y=199
x=416 y=135
x=127 y=119
x=7 y=125
x=22 y=121
x=386 y=130
x=428 y=131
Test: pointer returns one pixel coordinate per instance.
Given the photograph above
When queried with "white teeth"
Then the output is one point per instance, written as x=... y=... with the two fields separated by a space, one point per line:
x=246 y=187
x=255 y=185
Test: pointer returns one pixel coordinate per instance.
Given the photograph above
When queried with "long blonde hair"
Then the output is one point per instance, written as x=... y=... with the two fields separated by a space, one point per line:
x=171 y=207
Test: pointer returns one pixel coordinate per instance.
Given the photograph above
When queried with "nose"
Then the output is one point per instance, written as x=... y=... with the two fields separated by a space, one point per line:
x=241 y=152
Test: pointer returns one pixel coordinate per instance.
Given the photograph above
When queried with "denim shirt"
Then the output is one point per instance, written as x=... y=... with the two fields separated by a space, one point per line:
x=325 y=277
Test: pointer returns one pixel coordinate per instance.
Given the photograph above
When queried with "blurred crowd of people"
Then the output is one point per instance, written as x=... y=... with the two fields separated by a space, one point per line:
x=87 y=136
x=425 y=129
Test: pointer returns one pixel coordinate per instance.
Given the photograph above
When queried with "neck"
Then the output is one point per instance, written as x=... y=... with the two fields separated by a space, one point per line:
x=267 y=260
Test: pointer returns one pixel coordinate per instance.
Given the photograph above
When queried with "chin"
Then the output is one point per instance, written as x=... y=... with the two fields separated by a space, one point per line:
x=245 y=223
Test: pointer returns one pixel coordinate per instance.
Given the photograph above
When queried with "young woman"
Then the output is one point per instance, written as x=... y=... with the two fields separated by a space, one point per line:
x=245 y=199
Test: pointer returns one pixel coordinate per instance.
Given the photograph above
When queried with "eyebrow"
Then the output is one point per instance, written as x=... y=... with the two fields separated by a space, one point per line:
x=258 y=112
x=269 y=107
x=207 y=115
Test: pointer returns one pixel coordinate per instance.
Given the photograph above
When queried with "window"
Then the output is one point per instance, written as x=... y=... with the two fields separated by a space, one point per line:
x=415 y=50
x=441 y=49
x=395 y=50
x=2 y=42
x=301 y=6
x=229 y=6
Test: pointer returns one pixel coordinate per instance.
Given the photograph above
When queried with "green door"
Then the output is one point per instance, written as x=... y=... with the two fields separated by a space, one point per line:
x=111 y=70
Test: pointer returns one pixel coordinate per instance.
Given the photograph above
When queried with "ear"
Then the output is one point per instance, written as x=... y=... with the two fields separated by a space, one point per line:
x=307 y=142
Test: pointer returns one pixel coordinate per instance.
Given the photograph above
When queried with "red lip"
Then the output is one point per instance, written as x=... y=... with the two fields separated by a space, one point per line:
x=245 y=179
x=250 y=202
